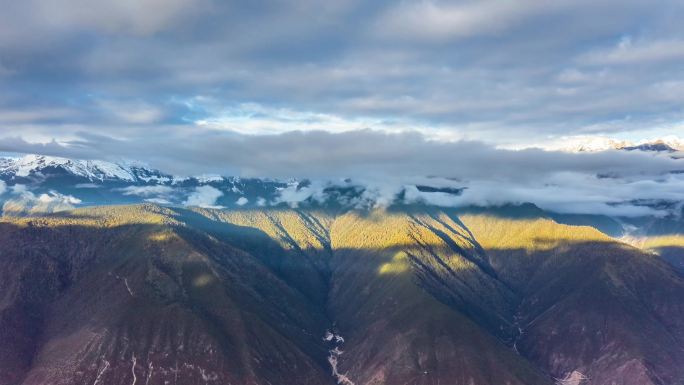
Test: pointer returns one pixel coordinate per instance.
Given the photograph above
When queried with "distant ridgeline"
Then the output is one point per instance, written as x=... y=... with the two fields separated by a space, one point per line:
x=216 y=279
x=36 y=184
x=45 y=184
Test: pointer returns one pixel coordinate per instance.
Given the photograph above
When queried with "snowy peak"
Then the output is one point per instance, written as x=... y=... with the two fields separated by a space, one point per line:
x=597 y=144
x=669 y=143
x=94 y=170
x=658 y=145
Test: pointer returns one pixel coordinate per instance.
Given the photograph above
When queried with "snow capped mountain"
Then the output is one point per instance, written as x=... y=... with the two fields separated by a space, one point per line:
x=593 y=144
x=674 y=142
x=24 y=180
x=94 y=170
x=658 y=145
x=670 y=143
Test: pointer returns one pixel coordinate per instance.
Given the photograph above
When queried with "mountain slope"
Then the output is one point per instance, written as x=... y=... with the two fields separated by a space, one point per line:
x=590 y=304
x=124 y=296
x=134 y=294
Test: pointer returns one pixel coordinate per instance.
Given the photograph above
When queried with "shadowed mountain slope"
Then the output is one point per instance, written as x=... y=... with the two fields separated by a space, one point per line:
x=145 y=294
x=111 y=300
x=605 y=309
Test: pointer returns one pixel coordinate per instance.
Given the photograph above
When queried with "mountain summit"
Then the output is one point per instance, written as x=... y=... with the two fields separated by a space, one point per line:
x=599 y=143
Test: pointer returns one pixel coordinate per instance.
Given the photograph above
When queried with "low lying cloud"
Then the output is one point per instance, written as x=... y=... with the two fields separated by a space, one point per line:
x=374 y=91
x=22 y=201
x=572 y=193
x=147 y=191
x=365 y=168
x=360 y=153
x=87 y=185
x=204 y=196
x=159 y=201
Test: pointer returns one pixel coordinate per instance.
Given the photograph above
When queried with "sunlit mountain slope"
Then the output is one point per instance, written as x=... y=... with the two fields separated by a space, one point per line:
x=145 y=294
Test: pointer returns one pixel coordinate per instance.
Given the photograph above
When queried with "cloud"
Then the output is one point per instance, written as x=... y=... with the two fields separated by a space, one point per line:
x=23 y=201
x=87 y=185
x=147 y=191
x=159 y=194
x=562 y=193
x=465 y=69
x=256 y=119
x=382 y=167
x=437 y=20
x=363 y=153
x=131 y=112
x=242 y=201
x=385 y=92
x=579 y=194
x=54 y=197
x=138 y=18
x=204 y=196
x=413 y=195
x=160 y=201
x=627 y=51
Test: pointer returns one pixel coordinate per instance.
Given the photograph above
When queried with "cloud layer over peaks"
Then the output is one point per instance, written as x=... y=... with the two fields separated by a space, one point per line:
x=383 y=92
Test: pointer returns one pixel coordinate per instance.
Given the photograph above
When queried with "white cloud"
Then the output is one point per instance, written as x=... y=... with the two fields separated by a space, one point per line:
x=413 y=195
x=55 y=197
x=469 y=69
x=204 y=196
x=87 y=185
x=23 y=201
x=595 y=143
x=147 y=191
x=19 y=189
x=160 y=201
x=293 y=195
x=256 y=119
x=627 y=51
x=438 y=20
x=561 y=192
x=242 y=201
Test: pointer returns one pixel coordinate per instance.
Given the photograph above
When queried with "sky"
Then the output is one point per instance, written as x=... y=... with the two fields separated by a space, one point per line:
x=373 y=89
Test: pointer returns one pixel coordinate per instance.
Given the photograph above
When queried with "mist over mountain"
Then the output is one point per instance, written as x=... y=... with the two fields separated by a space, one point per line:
x=301 y=192
x=581 y=143
x=619 y=182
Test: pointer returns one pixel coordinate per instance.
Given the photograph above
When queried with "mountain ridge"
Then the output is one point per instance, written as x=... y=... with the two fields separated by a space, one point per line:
x=508 y=293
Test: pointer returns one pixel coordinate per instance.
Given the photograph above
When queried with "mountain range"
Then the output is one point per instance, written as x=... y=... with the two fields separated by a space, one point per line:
x=93 y=182
x=114 y=273
x=147 y=294
x=594 y=144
